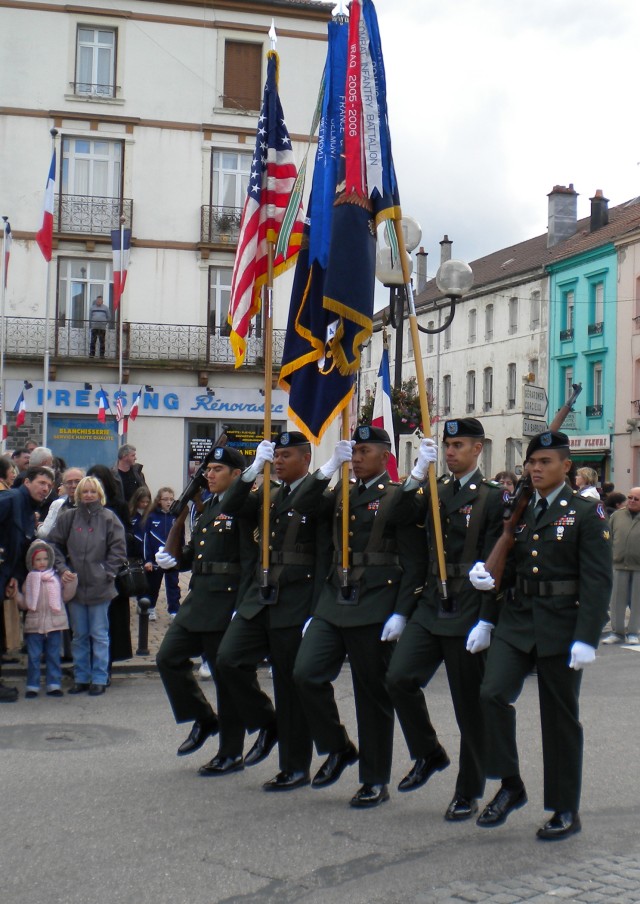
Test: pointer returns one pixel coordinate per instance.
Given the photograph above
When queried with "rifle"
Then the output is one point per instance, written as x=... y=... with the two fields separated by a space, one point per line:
x=517 y=504
x=180 y=506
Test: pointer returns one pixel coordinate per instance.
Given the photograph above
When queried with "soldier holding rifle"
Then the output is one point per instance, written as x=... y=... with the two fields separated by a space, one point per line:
x=221 y=555
x=449 y=630
x=562 y=558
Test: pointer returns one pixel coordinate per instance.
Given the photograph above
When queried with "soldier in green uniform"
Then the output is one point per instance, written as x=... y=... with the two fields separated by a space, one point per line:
x=387 y=569
x=270 y=619
x=563 y=566
x=450 y=630
x=221 y=555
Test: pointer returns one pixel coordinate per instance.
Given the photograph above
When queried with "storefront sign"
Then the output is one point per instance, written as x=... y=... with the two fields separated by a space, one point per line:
x=590 y=443
x=82 y=443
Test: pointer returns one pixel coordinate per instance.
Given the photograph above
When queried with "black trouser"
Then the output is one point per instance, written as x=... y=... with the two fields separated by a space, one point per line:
x=97 y=335
x=246 y=644
x=185 y=695
x=415 y=661
x=319 y=661
x=562 y=741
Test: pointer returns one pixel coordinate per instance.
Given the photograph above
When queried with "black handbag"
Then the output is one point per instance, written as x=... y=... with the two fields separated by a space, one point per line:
x=131 y=580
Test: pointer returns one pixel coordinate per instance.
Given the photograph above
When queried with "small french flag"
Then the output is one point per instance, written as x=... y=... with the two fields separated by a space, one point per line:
x=120 y=245
x=382 y=414
x=20 y=409
x=102 y=414
x=133 y=413
x=44 y=236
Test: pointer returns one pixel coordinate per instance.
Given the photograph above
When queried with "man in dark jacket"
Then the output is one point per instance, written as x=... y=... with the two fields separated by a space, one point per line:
x=221 y=555
x=127 y=472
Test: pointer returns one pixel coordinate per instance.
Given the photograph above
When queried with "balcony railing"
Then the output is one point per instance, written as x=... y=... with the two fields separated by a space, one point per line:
x=220 y=225
x=594 y=410
x=159 y=344
x=595 y=329
x=87 y=89
x=90 y=214
x=566 y=335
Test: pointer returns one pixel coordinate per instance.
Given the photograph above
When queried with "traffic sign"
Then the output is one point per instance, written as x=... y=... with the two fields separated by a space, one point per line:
x=532 y=428
x=534 y=400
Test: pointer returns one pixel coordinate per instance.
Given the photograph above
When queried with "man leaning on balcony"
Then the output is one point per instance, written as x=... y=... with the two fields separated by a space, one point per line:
x=98 y=320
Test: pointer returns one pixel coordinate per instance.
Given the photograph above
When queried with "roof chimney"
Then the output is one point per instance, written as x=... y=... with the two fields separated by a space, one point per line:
x=445 y=249
x=421 y=269
x=599 y=210
x=563 y=214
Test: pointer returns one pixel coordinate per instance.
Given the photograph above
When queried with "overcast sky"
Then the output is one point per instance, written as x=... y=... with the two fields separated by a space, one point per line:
x=492 y=102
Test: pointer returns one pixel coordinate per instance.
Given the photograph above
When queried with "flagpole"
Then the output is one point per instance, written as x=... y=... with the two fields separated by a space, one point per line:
x=120 y=319
x=268 y=380
x=45 y=381
x=424 y=406
x=3 y=416
x=344 y=429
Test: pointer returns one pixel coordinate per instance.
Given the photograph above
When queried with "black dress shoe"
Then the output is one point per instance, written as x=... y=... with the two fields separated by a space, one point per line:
x=561 y=825
x=496 y=812
x=222 y=765
x=287 y=781
x=78 y=688
x=8 y=694
x=370 y=796
x=334 y=766
x=267 y=740
x=197 y=737
x=95 y=690
x=424 y=768
x=461 y=808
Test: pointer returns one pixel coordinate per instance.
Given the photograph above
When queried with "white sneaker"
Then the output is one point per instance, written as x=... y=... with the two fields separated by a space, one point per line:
x=613 y=638
x=152 y=614
x=172 y=615
x=204 y=671
x=633 y=640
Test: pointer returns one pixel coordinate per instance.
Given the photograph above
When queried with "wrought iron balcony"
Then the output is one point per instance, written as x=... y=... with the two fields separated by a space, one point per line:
x=220 y=225
x=595 y=329
x=151 y=344
x=86 y=89
x=566 y=335
x=594 y=410
x=90 y=214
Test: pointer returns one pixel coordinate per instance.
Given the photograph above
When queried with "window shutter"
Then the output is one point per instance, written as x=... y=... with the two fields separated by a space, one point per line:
x=242 y=75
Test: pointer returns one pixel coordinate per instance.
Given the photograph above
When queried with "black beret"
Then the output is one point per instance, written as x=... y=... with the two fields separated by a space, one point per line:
x=228 y=456
x=291 y=438
x=367 y=434
x=547 y=440
x=464 y=426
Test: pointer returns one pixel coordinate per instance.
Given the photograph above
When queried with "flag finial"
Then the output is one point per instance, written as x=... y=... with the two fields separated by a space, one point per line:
x=273 y=37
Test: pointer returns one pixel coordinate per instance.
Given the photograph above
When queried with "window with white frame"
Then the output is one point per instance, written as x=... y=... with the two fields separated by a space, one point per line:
x=219 y=295
x=471 y=390
x=488 y=322
x=230 y=172
x=513 y=315
x=430 y=326
x=487 y=389
x=91 y=167
x=472 y=318
x=596 y=390
x=598 y=303
x=534 y=322
x=96 y=61
x=567 y=380
x=80 y=282
x=446 y=394
x=569 y=309
x=408 y=342
x=511 y=386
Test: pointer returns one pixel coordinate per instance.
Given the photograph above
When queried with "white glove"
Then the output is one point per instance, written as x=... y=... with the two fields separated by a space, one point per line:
x=164 y=560
x=264 y=453
x=581 y=654
x=342 y=452
x=394 y=626
x=306 y=625
x=427 y=455
x=479 y=637
x=481 y=578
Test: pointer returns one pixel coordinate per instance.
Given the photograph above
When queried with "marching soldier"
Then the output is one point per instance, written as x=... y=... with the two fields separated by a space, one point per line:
x=270 y=619
x=221 y=555
x=450 y=630
x=387 y=565
x=562 y=557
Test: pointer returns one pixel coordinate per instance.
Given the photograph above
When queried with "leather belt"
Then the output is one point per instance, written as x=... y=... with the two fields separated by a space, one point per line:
x=282 y=557
x=453 y=571
x=216 y=568
x=546 y=588
x=358 y=559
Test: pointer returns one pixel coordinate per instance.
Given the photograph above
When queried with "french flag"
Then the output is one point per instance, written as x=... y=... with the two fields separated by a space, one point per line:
x=382 y=416
x=133 y=413
x=102 y=414
x=20 y=409
x=7 y=248
x=120 y=245
x=44 y=236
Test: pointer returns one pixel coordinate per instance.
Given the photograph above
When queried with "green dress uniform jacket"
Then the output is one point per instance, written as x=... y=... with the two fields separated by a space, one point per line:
x=389 y=574
x=471 y=524
x=221 y=554
x=563 y=569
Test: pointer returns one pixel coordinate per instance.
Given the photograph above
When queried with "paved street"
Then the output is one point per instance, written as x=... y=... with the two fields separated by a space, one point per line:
x=97 y=809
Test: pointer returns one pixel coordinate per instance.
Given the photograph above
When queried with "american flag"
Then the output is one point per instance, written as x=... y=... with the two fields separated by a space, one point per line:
x=273 y=174
x=120 y=418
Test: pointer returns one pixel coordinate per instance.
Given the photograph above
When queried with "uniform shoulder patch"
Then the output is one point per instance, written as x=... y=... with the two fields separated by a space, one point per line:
x=600 y=511
x=420 y=491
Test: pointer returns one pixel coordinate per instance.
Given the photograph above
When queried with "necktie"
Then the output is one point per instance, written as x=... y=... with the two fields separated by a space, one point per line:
x=362 y=488
x=456 y=486
x=214 y=500
x=286 y=491
x=541 y=508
